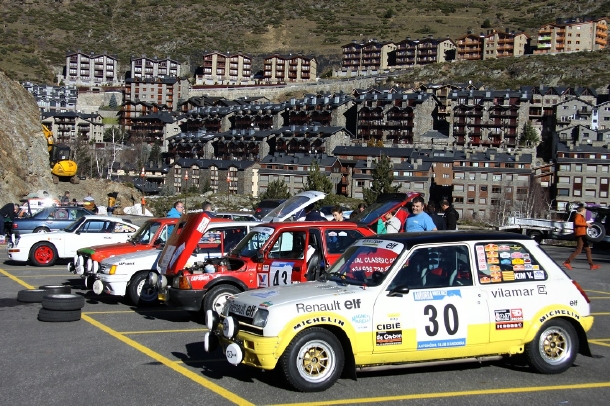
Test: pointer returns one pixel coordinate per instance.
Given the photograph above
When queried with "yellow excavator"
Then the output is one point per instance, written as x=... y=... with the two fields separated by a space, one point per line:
x=62 y=167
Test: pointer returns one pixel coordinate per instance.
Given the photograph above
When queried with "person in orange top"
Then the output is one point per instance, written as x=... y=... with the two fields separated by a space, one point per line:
x=580 y=231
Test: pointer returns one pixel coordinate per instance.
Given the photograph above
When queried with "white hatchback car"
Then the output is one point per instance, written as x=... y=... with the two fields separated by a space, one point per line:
x=411 y=299
x=44 y=249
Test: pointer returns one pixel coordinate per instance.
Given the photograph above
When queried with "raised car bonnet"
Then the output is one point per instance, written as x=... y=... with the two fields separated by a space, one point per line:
x=182 y=242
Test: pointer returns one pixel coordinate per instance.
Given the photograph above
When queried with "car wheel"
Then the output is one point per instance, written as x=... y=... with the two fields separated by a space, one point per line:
x=140 y=292
x=63 y=302
x=216 y=297
x=536 y=236
x=43 y=254
x=58 y=315
x=41 y=230
x=56 y=289
x=554 y=348
x=596 y=232
x=31 y=295
x=313 y=361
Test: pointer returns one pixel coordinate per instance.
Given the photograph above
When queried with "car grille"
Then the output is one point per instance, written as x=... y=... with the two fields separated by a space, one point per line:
x=103 y=268
x=245 y=324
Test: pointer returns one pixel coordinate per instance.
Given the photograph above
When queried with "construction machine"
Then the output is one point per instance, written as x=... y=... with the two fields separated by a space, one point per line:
x=62 y=167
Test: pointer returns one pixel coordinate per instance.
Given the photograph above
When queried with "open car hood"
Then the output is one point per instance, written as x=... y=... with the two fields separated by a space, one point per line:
x=293 y=205
x=182 y=242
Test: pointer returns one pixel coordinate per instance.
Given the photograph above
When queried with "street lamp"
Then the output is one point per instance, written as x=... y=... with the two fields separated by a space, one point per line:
x=186 y=182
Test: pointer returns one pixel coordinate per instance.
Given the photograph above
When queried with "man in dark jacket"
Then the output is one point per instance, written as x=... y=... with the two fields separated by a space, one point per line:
x=313 y=215
x=439 y=221
x=451 y=215
x=10 y=211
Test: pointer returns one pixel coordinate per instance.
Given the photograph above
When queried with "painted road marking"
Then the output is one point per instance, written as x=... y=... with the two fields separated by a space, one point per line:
x=134 y=312
x=598 y=291
x=15 y=279
x=40 y=276
x=191 y=330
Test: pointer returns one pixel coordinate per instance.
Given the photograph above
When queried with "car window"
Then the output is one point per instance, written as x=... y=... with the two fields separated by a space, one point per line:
x=289 y=245
x=435 y=267
x=232 y=236
x=94 y=226
x=337 y=240
x=76 y=214
x=507 y=262
x=268 y=204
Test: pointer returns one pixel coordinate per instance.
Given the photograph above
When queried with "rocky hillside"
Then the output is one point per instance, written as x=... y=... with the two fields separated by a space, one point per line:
x=24 y=159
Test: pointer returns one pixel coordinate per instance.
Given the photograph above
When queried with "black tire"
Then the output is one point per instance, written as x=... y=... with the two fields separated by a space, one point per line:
x=43 y=254
x=313 y=361
x=140 y=292
x=216 y=297
x=56 y=289
x=42 y=230
x=63 y=302
x=31 y=295
x=596 y=233
x=536 y=236
x=89 y=280
x=554 y=348
x=58 y=315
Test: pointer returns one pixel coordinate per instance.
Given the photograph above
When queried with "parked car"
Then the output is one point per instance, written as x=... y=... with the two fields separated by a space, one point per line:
x=277 y=253
x=126 y=275
x=153 y=233
x=48 y=219
x=44 y=249
x=237 y=215
x=265 y=206
x=411 y=299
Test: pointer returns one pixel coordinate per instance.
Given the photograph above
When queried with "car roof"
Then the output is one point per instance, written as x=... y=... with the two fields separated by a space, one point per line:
x=109 y=218
x=435 y=237
x=310 y=224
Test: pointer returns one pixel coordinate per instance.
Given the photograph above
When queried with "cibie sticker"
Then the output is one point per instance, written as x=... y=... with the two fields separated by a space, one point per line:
x=203 y=224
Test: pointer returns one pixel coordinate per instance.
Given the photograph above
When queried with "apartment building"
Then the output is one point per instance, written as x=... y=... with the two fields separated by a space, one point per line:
x=365 y=58
x=221 y=176
x=415 y=52
x=488 y=118
x=505 y=44
x=224 y=69
x=469 y=47
x=91 y=69
x=396 y=118
x=290 y=69
x=294 y=168
x=143 y=67
x=572 y=35
x=159 y=90
x=572 y=112
x=154 y=128
x=53 y=98
x=325 y=109
x=72 y=126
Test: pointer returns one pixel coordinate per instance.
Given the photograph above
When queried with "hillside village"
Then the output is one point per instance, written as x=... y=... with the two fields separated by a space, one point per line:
x=477 y=146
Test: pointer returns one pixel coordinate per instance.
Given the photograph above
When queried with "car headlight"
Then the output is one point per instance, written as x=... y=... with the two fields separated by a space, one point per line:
x=112 y=270
x=96 y=266
x=260 y=318
x=89 y=265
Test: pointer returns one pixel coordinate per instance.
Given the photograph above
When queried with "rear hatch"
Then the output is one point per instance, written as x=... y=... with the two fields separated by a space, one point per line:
x=293 y=205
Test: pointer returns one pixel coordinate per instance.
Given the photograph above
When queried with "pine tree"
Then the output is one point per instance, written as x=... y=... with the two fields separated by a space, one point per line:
x=382 y=180
x=155 y=154
x=318 y=181
x=112 y=103
x=530 y=135
x=276 y=189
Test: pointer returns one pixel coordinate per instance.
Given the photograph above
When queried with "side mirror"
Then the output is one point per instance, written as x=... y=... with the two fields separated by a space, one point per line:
x=398 y=291
x=260 y=257
x=158 y=241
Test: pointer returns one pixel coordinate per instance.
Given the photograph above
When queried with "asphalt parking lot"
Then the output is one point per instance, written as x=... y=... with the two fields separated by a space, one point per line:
x=118 y=354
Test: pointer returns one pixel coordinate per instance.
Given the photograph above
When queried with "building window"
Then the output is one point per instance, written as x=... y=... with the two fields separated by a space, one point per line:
x=471 y=200
x=590 y=193
x=578 y=167
x=591 y=181
x=495 y=202
x=482 y=200
x=459 y=199
x=483 y=188
x=496 y=178
x=563 y=179
x=521 y=190
x=472 y=176
x=603 y=193
x=360 y=183
x=458 y=175
x=564 y=167
x=458 y=188
x=591 y=168
x=563 y=192
x=471 y=188
x=496 y=189
x=445 y=176
x=483 y=176
x=577 y=193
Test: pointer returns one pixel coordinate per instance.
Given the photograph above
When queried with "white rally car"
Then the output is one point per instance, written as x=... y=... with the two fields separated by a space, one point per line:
x=413 y=298
x=126 y=275
x=43 y=249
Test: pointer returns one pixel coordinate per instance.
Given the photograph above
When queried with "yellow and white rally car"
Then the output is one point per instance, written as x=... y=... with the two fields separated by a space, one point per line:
x=411 y=299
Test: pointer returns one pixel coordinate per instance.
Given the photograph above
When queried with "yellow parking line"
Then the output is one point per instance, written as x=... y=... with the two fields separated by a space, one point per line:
x=601 y=314
x=599 y=343
x=170 y=364
x=134 y=311
x=451 y=394
x=38 y=276
x=599 y=339
x=598 y=291
x=199 y=361
x=186 y=330
x=219 y=390
x=599 y=297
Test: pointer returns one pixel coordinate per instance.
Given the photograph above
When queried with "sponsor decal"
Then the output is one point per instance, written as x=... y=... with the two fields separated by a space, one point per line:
x=435 y=294
x=494 y=268
x=492 y=254
x=509 y=325
x=517 y=292
x=535 y=267
x=509 y=315
x=508 y=276
x=505 y=255
x=203 y=277
x=335 y=305
x=554 y=313
x=203 y=225
x=317 y=320
x=480 y=248
x=491 y=247
x=493 y=261
x=265 y=267
x=515 y=248
x=516 y=255
x=505 y=261
x=263 y=280
x=503 y=248
x=388 y=326
x=541 y=289
x=242 y=309
x=392 y=337
x=126 y=263
x=485 y=279
x=361 y=318
x=528 y=267
x=266 y=304
x=518 y=261
x=456 y=342
x=265 y=294
x=391 y=245
x=530 y=275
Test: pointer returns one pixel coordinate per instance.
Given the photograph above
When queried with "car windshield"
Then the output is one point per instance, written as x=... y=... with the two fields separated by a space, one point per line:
x=365 y=263
x=253 y=242
x=373 y=212
x=288 y=206
x=76 y=225
x=145 y=233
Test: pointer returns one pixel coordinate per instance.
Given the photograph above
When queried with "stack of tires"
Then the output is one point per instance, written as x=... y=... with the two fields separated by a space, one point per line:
x=58 y=303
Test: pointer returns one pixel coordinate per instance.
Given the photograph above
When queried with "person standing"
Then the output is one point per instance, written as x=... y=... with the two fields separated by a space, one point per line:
x=311 y=214
x=337 y=213
x=65 y=199
x=177 y=210
x=10 y=211
x=580 y=232
x=143 y=204
x=451 y=215
x=392 y=223
x=361 y=207
x=111 y=204
x=207 y=209
x=439 y=221
x=419 y=220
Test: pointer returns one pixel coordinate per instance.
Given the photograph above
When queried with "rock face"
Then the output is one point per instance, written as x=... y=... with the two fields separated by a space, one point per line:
x=24 y=158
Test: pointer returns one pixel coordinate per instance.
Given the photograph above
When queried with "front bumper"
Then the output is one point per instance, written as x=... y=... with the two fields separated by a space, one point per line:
x=259 y=352
x=115 y=285
x=16 y=253
x=184 y=299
